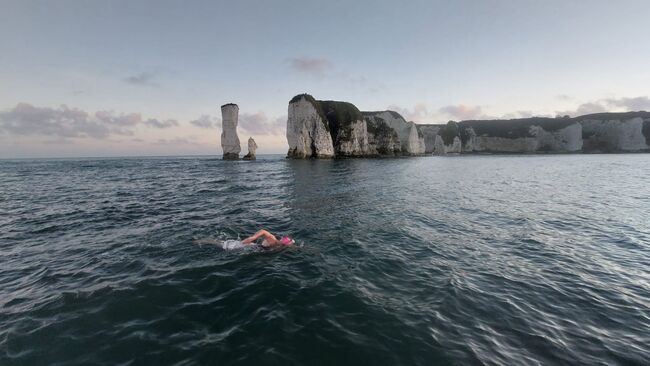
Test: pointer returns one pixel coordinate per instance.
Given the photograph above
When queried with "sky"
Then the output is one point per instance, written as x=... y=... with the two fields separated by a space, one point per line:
x=140 y=78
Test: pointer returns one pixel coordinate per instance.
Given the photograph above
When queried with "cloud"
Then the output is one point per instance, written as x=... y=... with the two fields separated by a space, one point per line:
x=177 y=141
x=312 y=66
x=118 y=124
x=26 y=119
x=609 y=105
x=259 y=123
x=153 y=122
x=517 y=114
x=462 y=111
x=206 y=121
x=419 y=113
x=65 y=122
x=142 y=79
x=630 y=104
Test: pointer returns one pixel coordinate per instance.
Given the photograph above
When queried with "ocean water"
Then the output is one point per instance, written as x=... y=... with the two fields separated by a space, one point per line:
x=497 y=260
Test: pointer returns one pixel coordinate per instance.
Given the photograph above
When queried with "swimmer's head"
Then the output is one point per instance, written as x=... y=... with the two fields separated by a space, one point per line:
x=286 y=240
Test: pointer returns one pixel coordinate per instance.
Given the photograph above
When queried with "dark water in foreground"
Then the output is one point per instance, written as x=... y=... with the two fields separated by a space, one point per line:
x=423 y=261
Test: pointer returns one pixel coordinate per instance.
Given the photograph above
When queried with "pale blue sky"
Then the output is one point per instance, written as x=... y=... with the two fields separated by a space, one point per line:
x=172 y=62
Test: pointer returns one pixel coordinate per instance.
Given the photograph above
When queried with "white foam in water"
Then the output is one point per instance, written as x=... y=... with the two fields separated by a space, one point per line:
x=225 y=244
x=232 y=244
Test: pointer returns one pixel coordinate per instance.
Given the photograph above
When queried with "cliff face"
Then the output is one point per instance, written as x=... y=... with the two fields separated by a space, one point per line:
x=410 y=137
x=383 y=140
x=347 y=127
x=603 y=132
x=616 y=132
x=307 y=130
x=429 y=133
x=229 y=139
x=325 y=129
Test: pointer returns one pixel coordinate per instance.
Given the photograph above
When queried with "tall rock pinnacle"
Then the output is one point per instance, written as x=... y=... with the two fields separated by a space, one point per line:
x=229 y=138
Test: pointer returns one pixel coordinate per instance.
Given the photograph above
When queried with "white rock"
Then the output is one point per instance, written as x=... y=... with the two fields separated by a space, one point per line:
x=252 y=147
x=412 y=142
x=567 y=139
x=614 y=135
x=229 y=139
x=357 y=143
x=307 y=132
x=430 y=132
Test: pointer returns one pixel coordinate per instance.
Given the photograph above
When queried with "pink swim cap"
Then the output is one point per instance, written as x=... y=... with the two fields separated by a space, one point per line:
x=286 y=240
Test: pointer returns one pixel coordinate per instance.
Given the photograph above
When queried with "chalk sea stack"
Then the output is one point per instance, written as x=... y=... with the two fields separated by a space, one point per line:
x=252 y=147
x=328 y=129
x=229 y=139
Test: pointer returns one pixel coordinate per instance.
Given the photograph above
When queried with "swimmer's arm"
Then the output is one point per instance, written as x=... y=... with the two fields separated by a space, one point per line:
x=262 y=233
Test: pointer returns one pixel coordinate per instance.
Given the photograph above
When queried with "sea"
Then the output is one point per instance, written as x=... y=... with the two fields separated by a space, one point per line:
x=465 y=260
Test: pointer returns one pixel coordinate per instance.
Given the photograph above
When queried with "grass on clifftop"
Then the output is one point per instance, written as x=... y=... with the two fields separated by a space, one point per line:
x=448 y=132
x=314 y=104
x=515 y=128
x=340 y=116
x=337 y=115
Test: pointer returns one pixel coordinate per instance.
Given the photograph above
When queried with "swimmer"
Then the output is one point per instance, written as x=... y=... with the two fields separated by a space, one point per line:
x=269 y=239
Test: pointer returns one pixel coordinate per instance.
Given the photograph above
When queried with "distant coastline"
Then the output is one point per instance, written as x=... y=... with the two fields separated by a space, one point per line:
x=334 y=129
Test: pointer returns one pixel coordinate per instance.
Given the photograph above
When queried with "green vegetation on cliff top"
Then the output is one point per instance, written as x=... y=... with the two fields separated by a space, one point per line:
x=342 y=114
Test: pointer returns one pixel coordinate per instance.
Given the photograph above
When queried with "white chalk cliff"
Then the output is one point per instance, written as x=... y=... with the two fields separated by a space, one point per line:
x=539 y=135
x=317 y=128
x=229 y=139
x=411 y=139
x=326 y=128
x=307 y=131
x=608 y=134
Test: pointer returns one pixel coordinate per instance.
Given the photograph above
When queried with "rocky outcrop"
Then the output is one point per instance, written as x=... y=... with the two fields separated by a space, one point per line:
x=383 y=140
x=229 y=138
x=308 y=131
x=410 y=137
x=252 y=147
x=430 y=134
x=602 y=132
x=529 y=135
x=326 y=128
x=616 y=132
x=348 y=128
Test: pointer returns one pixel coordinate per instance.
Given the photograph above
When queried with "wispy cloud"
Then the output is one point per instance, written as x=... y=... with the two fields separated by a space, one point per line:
x=312 y=66
x=260 y=123
x=65 y=122
x=26 y=119
x=156 y=123
x=630 y=104
x=462 y=111
x=322 y=68
x=419 y=113
x=518 y=114
x=142 y=79
x=641 y=103
x=190 y=140
x=206 y=121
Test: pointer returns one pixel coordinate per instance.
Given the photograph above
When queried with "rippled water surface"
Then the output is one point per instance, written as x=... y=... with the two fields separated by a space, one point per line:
x=422 y=261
